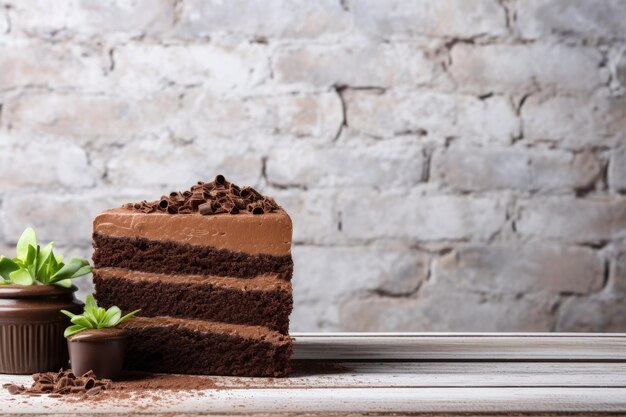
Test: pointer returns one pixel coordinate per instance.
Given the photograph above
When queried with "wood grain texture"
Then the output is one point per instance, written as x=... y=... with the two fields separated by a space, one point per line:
x=553 y=383
x=461 y=346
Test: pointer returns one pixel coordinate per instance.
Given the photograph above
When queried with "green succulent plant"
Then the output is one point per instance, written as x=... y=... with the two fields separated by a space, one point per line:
x=35 y=265
x=95 y=317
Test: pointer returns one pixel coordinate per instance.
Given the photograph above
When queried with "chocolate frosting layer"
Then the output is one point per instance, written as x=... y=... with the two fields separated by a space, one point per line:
x=265 y=282
x=202 y=326
x=267 y=234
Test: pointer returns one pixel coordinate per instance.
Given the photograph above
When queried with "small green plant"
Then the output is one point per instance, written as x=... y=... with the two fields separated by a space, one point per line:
x=35 y=265
x=95 y=317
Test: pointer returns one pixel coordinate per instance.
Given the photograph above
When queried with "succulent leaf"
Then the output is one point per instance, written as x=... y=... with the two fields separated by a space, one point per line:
x=41 y=264
x=28 y=238
x=7 y=266
x=94 y=317
x=72 y=330
x=21 y=277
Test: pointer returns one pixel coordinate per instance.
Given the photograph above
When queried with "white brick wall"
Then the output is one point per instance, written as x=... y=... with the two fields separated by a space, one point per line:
x=449 y=165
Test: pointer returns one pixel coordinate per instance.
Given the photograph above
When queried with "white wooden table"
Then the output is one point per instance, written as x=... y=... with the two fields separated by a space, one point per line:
x=497 y=373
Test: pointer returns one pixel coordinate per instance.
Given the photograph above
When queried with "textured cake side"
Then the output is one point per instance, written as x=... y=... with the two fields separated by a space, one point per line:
x=270 y=308
x=213 y=285
x=179 y=349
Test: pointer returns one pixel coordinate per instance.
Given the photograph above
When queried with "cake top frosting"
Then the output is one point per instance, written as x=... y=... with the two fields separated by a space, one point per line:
x=207 y=198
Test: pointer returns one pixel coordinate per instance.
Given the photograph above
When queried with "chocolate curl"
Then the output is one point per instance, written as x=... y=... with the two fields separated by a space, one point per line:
x=217 y=194
x=256 y=195
x=234 y=210
x=250 y=194
x=187 y=194
x=209 y=186
x=245 y=192
x=177 y=197
x=90 y=383
x=164 y=203
x=61 y=383
x=195 y=202
x=227 y=204
x=185 y=210
x=255 y=208
x=221 y=180
x=240 y=204
x=205 y=208
x=271 y=202
x=269 y=205
x=215 y=206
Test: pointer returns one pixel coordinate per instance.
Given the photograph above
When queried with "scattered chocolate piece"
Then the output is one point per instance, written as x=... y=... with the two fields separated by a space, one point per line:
x=14 y=388
x=209 y=198
x=61 y=383
x=93 y=391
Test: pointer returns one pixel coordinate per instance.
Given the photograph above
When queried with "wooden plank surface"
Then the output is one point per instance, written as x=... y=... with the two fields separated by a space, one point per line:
x=461 y=346
x=556 y=373
x=343 y=400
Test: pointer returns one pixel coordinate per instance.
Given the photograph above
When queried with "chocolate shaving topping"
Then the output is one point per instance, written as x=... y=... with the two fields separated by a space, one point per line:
x=61 y=383
x=208 y=198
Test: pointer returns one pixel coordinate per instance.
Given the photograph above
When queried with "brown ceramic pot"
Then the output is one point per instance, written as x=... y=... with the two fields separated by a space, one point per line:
x=31 y=327
x=98 y=350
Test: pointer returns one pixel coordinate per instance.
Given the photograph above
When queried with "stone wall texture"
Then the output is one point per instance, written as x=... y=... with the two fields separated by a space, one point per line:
x=449 y=165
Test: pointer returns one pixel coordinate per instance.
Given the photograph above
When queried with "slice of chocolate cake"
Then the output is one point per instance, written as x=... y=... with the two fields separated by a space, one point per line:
x=210 y=269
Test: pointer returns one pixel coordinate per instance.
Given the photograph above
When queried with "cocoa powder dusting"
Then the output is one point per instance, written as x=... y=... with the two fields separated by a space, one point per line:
x=140 y=381
x=132 y=385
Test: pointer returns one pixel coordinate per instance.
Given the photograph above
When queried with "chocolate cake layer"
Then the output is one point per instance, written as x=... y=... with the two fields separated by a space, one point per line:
x=178 y=258
x=198 y=347
x=264 y=301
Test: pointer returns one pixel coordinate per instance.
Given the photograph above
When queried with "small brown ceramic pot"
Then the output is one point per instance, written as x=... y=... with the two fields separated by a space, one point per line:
x=31 y=327
x=98 y=350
